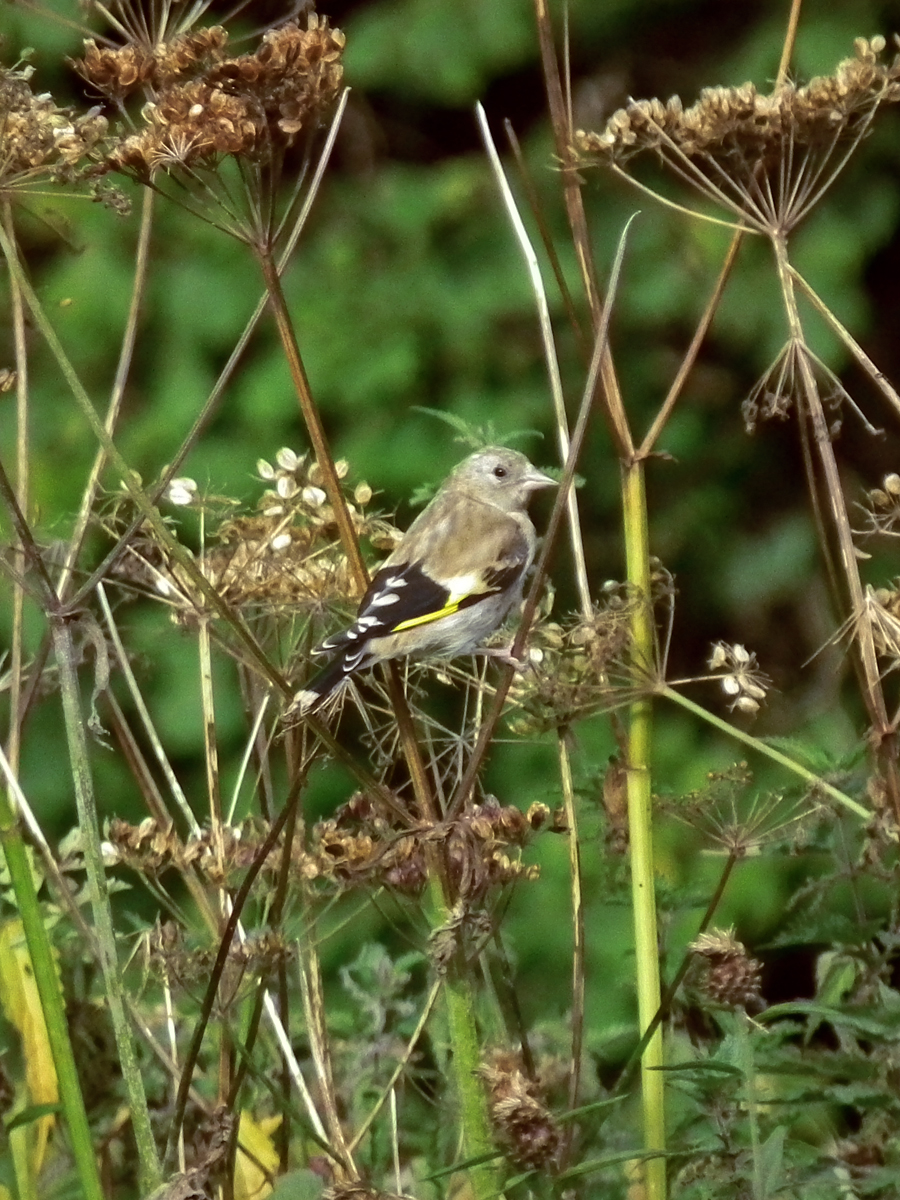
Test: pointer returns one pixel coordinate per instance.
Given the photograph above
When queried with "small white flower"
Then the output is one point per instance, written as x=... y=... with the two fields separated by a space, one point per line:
x=182 y=492
x=281 y=541
x=287 y=459
x=274 y=510
x=265 y=470
x=286 y=487
x=313 y=496
x=744 y=683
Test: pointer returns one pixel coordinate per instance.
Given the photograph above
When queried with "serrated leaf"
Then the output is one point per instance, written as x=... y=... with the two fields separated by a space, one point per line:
x=771 y=1161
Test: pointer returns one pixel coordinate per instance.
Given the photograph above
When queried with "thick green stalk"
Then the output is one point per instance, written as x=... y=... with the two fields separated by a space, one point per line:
x=484 y=1178
x=477 y=1138
x=47 y=981
x=640 y=828
x=148 y=1160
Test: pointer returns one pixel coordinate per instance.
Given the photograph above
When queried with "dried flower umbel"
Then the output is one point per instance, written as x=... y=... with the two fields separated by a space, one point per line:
x=576 y=668
x=738 y=821
x=357 y=847
x=41 y=143
x=204 y=108
x=767 y=157
x=282 y=561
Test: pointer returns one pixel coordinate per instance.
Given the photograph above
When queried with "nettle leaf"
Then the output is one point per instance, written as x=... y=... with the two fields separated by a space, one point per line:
x=771 y=1156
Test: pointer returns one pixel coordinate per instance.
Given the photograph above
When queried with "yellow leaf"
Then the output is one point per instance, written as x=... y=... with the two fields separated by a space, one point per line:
x=255 y=1146
x=22 y=1008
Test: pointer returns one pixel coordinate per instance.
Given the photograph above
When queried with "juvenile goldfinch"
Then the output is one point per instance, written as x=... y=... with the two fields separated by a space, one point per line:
x=454 y=576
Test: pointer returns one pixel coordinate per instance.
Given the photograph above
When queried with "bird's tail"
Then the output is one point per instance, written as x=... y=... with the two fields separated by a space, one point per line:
x=319 y=690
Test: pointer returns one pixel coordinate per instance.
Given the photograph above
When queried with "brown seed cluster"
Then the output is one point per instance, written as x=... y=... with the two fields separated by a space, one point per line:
x=526 y=1127
x=358 y=847
x=732 y=977
x=355 y=848
x=204 y=104
x=739 y=136
x=38 y=140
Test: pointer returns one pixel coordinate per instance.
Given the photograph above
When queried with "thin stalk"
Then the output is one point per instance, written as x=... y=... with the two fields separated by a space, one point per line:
x=320 y=1050
x=210 y=743
x=873 y=695
x=809 y=777
x=46 y=978
x=141 y=262
x=790 y=39
x=148 y=1161
x=880 y=380
x=16 y=656
x=693 y=350
x=578 y=938
x=624 y=1082
x=748 y=1070
x=312 y=419
x=614 y=408
x=640 y=830
x=550 y=356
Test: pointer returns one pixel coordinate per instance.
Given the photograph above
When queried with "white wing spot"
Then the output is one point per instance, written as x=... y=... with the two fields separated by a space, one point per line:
x=367 y=622
x=395 y=581
x=461 y=586
x=383 y=599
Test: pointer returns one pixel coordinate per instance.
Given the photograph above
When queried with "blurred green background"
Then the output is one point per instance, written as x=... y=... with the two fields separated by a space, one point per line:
x=408 y=290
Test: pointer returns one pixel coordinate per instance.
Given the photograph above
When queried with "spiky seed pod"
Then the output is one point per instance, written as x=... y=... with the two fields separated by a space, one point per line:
x=732 y=976
x=525 y=1126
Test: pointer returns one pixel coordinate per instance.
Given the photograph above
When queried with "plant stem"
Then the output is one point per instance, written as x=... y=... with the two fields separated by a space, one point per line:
x=810 y=777
x=884 y=736
x=148 y=1160
x=312 y=419
x=640 y=830
x=578 y=940
x=748 y=1069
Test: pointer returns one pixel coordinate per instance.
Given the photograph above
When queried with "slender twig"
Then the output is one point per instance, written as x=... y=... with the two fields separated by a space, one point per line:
x=550 y=357
x=489 y=725
x=578 y=932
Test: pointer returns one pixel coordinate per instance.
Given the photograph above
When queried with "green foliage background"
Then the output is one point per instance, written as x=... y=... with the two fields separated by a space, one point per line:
x=408 y=290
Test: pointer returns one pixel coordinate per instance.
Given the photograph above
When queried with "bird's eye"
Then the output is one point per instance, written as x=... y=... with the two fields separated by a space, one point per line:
x=499 y=472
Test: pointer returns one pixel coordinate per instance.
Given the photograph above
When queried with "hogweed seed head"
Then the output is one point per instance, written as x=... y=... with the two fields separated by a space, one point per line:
x=767 y=157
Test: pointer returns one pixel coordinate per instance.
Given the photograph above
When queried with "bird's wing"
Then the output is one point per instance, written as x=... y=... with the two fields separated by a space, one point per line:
x=437 y=570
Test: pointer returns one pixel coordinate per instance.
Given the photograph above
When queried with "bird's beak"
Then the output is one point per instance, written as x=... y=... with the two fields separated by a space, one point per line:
x=537 y=479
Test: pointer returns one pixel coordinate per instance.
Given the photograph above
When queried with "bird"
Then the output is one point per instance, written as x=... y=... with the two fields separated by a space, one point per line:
x=451 y=579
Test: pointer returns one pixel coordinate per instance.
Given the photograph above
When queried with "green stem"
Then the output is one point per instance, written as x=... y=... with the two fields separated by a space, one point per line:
x=748 y=1069
x=148 y=1160
x=47 y=981
x=640 y=827
x=484 y=1178
x=809 y=777
x=477 y=1140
